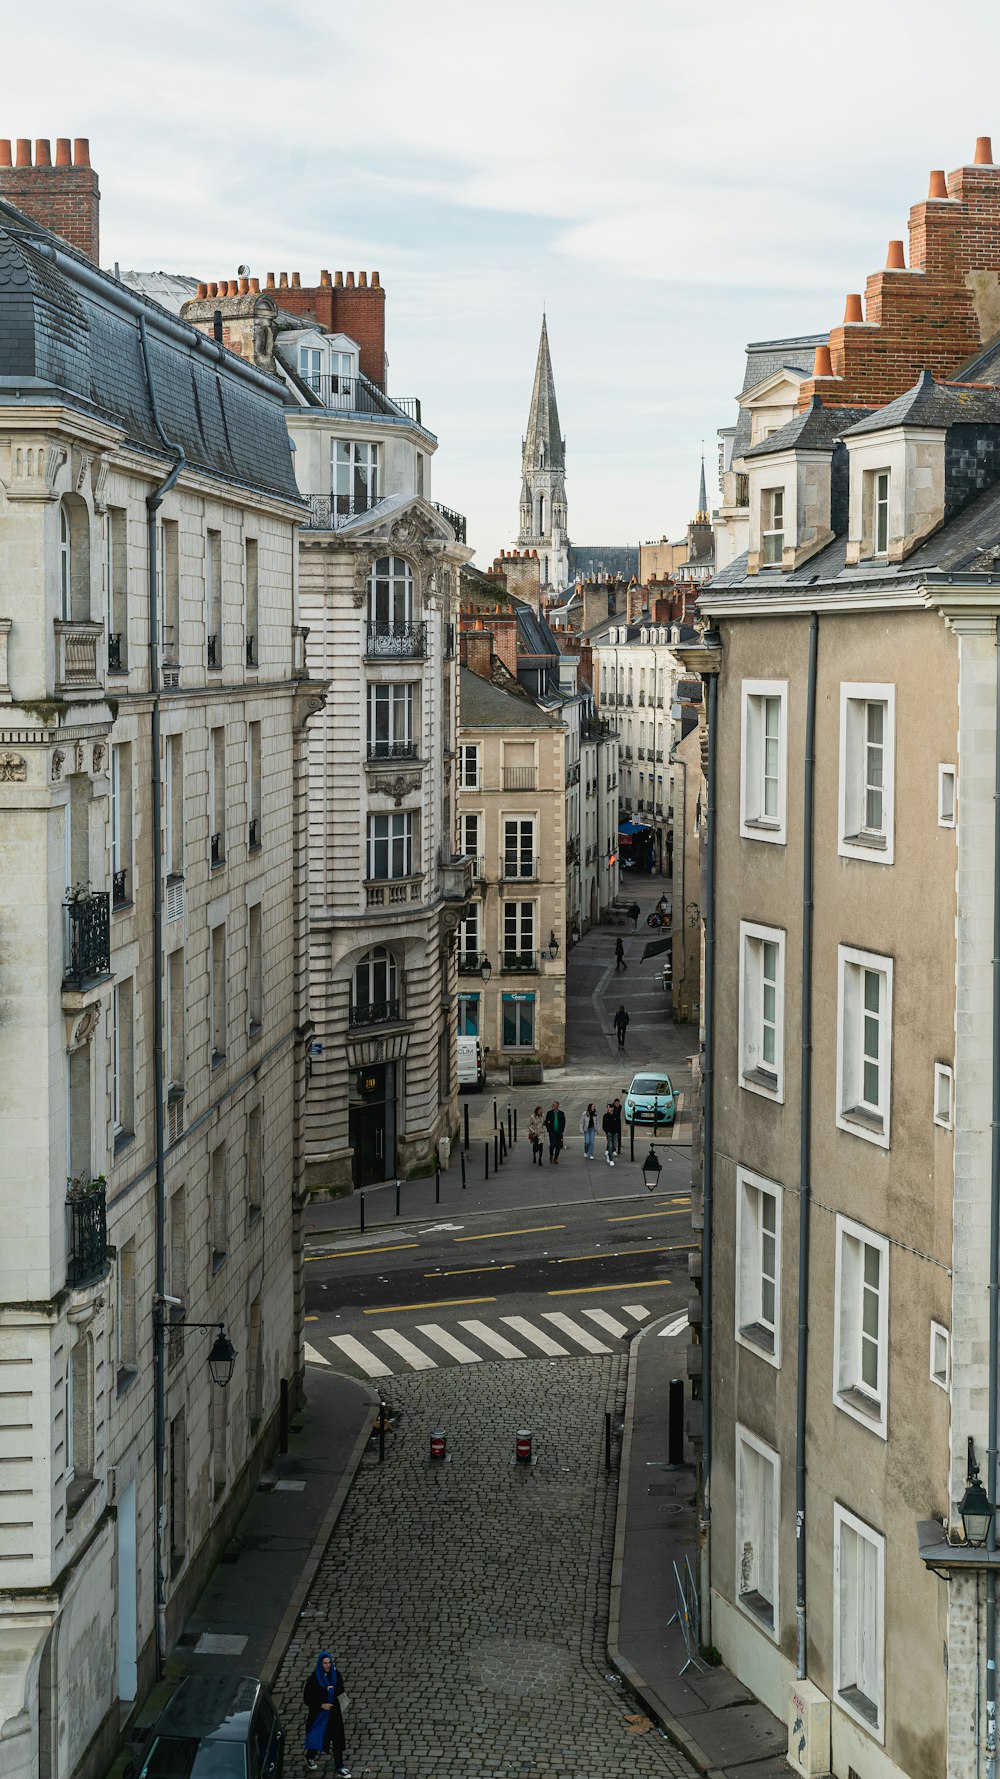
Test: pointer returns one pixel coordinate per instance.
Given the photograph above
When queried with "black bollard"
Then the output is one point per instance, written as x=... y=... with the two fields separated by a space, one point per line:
x=462 y=1159
x=381 y=1432
x=607 y=1439
x=437 y=1182
x=283 y=1418
x=515 y=1124
x=486 y=1159
x=675 y=1422
x=510 y=1127
x=494 y=1114
x=631 y=1141
x=503 y=1144
x=361 y=1206
x=496 y=1153
x=397 y=1198
x=465 y=1115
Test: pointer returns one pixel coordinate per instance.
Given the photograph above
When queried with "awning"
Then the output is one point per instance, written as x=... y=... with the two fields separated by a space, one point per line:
x=632 y=828
x=655 y=946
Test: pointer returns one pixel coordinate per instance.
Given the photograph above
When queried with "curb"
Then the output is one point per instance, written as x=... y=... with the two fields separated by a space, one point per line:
x=679 y=1736
x=402 y=1222
x=306 y=1576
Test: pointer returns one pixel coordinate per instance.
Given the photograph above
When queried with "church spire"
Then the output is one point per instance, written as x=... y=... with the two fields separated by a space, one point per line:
x=544 y=447
x=702 y=515
x=543 y=528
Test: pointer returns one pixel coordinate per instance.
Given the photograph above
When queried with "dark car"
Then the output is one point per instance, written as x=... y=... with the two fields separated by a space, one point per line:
x=216 y=1726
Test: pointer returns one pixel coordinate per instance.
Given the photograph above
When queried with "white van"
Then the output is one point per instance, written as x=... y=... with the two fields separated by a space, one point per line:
x=471 y=1067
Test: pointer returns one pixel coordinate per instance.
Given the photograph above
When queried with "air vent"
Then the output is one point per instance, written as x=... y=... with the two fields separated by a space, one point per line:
x=174 y=902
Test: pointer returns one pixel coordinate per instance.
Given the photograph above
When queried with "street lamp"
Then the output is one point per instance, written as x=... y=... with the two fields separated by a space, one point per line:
x=974 y=1508
x=486 y=969
x=651 y=1169
x=553 y=950
x=221 y=1359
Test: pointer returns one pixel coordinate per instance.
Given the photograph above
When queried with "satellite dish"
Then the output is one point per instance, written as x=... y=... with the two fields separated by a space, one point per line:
x=243 y=271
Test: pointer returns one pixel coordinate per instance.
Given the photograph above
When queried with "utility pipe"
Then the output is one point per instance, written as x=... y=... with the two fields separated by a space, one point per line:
x=153 y=503
x=708 y=1159
x=994 y=1294
x=805 y=1154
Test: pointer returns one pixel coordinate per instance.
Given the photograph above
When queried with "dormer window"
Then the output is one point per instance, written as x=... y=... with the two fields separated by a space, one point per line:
x=341 y=372
x=311 y=366
x=772 y=526
x=880 y=512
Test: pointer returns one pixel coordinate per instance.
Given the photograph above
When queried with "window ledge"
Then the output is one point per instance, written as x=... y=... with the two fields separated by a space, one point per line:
x=860 y=1704
x=254 y=1213
x=758 y=1336
x=125 y=1378
x=868 y=1121
x=123 y=1140
x=122 y=907
x=218 y=1260
x=862 y=1404
x=759 y=1608
x=255 y=1028
x=218 y=1059
x=763 y=1079
x=78 y=1493
x=868 y=839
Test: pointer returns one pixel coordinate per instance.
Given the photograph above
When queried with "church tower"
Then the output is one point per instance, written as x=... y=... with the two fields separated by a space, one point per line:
x=543 y=477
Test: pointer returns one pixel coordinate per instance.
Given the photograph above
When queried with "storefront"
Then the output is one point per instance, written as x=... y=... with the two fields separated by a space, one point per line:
x=372 y=1122
x=518 y=1021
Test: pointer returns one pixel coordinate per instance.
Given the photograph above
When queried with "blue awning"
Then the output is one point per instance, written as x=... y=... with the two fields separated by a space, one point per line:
x=632 y=828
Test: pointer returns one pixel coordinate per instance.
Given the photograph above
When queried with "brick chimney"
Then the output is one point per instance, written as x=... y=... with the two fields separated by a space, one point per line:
x=475 y=649
x=63 y=195
x=357 y=310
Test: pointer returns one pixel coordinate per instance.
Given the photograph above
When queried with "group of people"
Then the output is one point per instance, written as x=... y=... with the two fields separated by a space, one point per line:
x=552 y=1124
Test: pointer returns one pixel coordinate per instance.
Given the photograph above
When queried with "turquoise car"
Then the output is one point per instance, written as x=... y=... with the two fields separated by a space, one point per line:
x=649 y=1098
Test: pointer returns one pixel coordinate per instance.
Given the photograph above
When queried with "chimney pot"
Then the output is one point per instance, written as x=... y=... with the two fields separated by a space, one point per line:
x=984 y=152
x=376 y=284
x=282 y=280
x=338 y=280
x=296 y=281
x=269 y=281
x=64 y=152
x=255 y=286
x=5 y=155
x=324 y=278
x=895 y=260
x=853 y=310
x=821 y=363
x=202 y=291
x=213 y=290
x=350 y=280
x=938 y=187
x=43 y=152
x=244 y=286
x=81 y=151
x=23 y=151
x=362 y=280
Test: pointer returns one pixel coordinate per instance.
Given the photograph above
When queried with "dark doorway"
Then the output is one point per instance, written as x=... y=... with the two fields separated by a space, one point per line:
x=372 y=1123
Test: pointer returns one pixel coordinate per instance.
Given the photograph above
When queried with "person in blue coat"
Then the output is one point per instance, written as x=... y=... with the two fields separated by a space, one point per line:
x=324 y=1718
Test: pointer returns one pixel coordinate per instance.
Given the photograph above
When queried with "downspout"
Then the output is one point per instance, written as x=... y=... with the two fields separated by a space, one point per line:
x=805 y=1152
x=991 y=1449
x=674 y=761
x=153 y=504
x=708 y=1138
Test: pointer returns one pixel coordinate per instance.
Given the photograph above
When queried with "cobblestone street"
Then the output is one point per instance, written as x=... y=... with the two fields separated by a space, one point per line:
x=467 y=1602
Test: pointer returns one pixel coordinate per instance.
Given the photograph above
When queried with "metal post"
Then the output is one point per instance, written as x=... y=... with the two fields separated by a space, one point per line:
x=486 y=1158
x=397 y=1195
x=515 y=1124
x=465 y=1116
x=503 y=1144
x=381 y=1432
x=510 y=1127
x=462 y=1160
x=607 y=1439
x=496 y=1153
x=494 y=1114
x=283 y=1418
x=437 y=1182
x=361 y=1205
x=675 y=1422
x=631 y=1141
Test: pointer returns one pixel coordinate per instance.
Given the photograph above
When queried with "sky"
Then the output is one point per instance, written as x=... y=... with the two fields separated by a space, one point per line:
x=666 y=179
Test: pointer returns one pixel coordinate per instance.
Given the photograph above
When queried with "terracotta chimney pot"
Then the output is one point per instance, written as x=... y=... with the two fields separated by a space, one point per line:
x=43 y=152
x=896 y=259
x=255 y=286
x=202 y=291
x=853 y=311
x=938 y=187
x=23 y=151
x=338 y=280
x=64 y=152
x=296 y=281
x=350 y=280
x=282 y=280
x=376 y=284
x=81 y=151
x=984 y=152
x=213 y=290
x=362 y=280
x=5 y=154
x=821 y=363
x=324 y=278
x=244 y=286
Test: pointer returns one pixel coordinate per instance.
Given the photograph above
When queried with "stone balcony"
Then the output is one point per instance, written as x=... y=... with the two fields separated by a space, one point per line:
x=457 y=877
x=79 y=657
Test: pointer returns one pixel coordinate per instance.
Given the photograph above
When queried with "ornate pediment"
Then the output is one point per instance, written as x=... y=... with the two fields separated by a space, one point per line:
x=396 y=785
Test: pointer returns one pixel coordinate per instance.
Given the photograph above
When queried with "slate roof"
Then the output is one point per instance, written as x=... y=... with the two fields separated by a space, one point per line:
x=935 y=404
x=764 y=358
x=816 y=429
x=534 y=635
x=482 y=705
x=599 y=560
x=69 y=333
x=170 y=289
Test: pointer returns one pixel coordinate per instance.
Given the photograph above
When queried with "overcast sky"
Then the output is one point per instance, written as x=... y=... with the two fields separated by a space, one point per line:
x=669 y=178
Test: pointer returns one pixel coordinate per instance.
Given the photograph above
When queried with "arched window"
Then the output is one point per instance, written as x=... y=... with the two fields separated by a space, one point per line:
x=390 y=593
x=630 y=682
x=65 y=564
x=541 y=515
x=375 y=992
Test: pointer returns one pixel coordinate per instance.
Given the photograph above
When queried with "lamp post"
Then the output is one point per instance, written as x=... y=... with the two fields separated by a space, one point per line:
x=485 y=969
x=975 y=1509
x=221 y=1359
x=553 y=951
x=651 y=1169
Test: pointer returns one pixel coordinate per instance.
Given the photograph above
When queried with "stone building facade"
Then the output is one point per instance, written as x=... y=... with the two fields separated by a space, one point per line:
x=153 y=702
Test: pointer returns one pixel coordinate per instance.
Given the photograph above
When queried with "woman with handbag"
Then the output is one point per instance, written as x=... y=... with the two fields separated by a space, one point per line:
x=323 y=1696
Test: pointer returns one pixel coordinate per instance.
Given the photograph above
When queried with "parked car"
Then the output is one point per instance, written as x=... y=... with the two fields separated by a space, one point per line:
x=470 y=1066
x=650 y=1098
x=215 y=1726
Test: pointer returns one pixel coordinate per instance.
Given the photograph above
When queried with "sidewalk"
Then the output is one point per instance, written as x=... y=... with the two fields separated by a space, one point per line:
x=724 y=1731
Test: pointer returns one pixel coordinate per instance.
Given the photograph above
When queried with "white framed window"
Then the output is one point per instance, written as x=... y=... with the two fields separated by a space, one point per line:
x=468 y=766
x=864 y=1043
x=940 y=1360
x=218 y=985
x=867 y=772
x=311 y=366
x=761 y=1009
x=880 y=512
x=947 y=796
x=861 y=1325
x=375 y=988
x=763 y=779
x=859 y=1620
x=519 y=936
x=519 y=858
x=354 y=471
x=944 y=1095
x=390 y=721
x=390 y=846
x=469 y=946
x=122 y=1053
x=758 y=1265
x=757 y=1489
x=772 y=526
x=469 y=839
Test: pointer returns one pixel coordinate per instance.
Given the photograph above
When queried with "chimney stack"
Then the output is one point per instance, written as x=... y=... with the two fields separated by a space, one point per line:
x=63 y=195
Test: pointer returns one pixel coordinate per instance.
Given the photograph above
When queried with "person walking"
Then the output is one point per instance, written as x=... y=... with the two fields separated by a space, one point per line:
x=536 y=1135
x=616 y=1108
x=620 y=963
x=321 y=1696
x=555 y=1124
x=621 y=1025
x=588 y=1130
x=634 y=913
x=608 y=1127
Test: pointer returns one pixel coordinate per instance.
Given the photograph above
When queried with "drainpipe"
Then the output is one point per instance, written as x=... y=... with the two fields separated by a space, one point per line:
x=153 y=504
x=708 y=1158
x=805 y=1147
x=991 y=1449
x=675 y=762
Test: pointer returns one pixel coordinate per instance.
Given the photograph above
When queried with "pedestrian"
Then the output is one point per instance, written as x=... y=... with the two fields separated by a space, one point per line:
x=555 y=1124
x=608 y=1127
x=588 y=1130
x=620 y=963
x=536 y=1127
x=322 y=1696
x=621 y=1025
x=616 y=1107
x=634 y=913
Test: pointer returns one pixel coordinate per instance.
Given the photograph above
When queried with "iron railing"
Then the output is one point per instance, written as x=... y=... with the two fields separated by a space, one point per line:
x=519 y=778
x=212 y=652
x=404 y=641
x=469 y=963
x=392 y=750
x=253 y=833
x=88 y=1233
x=119 y=889
x=252 y=652
x=356 y=395
x=455 y=520
x=519 y=961
x=374 y=1012
x=115 y=664
x=519 y=866
x=88 y=938
x=218 y=849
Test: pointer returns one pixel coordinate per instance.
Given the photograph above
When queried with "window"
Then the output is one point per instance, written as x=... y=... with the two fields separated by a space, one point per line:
x=311 y=366
x=123 y=1052
x=757 y=1470
x=858 y=1618
x=355 y=472
x=940 y=1356
x=758 y=1249
x=880 y=512
x=519 y=936
x=772 y=526
x=74 y=560
x=519 y=766
x=468 y=767
x=65 y=565
x=220 y=1440
x=121 y=825
x=519 y=847
x=217 y=797
x=253 y=787
x=763 y=789
x=126 y=1311
x=864 y=1044
x=217 y=995
x=79 y=1420
x=469 y=939
x=390 y=722
x=115 y=572
x=175 y=1020
x=518 y=1022
x=178 y=1487
x=170 y=591
x=255 y=1392
x=944 y=1095
x=173 y=801
x=213 y=598
x=861 y=1324
x=219 y=1209
x=255 y=970
x=390 y=846
x=947 y=796
x=761 y=1014
x=468 y=830
x=255 y=1179
x=177 y=1246
x=375 y=988
x=251 y=592
x=468 y=1016
x=867 y=771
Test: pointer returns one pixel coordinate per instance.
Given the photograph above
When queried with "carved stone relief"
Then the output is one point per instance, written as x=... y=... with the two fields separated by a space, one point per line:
x=13 y=768
x=58 y=762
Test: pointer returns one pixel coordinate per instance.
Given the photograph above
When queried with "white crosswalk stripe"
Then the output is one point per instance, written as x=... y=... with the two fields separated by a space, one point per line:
x=405 y=1348
x=490 y=1338
x=610 y=1323
x=353 y=1349
x=638 y=1310
x=567 y=1326
x=314 y=1358
x=456 y=1349
x=536 y=1336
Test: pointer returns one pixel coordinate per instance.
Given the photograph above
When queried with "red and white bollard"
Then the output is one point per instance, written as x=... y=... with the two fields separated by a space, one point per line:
x=438 y=1445
x=522 y=1445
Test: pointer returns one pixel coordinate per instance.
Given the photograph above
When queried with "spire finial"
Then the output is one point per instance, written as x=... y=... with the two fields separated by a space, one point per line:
x=701 y=516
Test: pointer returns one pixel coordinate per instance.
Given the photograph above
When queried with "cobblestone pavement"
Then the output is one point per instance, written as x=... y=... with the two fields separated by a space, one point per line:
x=467 y=1602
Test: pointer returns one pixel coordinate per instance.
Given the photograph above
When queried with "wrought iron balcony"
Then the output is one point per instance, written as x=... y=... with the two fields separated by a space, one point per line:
x=218 y=850
x=76 y=656
x=87 y=1215
x=88 y=938
x=573 y=852
x=253 y=833
x=374 y=1013
x=469 y=962
x=519 y=778
x=120 y=897
x=518 y=867
x=115 y=660
x=519 y=962
x=455 y=520
x=356 y=395
x=213 y=653
x=401 y=641
x=392 y=750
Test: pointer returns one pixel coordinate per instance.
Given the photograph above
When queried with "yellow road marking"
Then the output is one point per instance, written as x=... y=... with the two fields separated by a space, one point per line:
x=458 y=1272
x=641 y=1216
x=498 y=1234
x=439 y=1303
x=312 y=1318
x=628 y=1285
x=352 y=1253
x=571 y=1259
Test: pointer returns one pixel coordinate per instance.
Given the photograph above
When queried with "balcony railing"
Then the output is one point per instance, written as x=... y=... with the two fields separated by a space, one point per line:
x=573 y=852
x=218 y=850
x=253 y=833
x=374 y=1013
x=469 y=963
x=120 y=897
x=88 y=938
x=519 y=778
x=403 y=641
x=391 y=892
x=519 y=962
x=87 y=1215
x=455 y=520
x=518 y=867
x=252 y=652
x=213 y=657
x=392 y=750
x=76 y=656
x=115 y=662
x=596 y=728
x=356 y=395
x=626 y=753
x=642 y=697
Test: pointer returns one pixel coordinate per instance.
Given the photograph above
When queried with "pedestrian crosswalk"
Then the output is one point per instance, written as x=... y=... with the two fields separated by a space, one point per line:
x=426 y=1346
